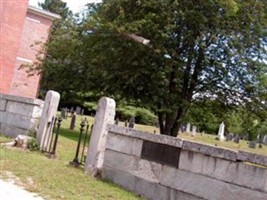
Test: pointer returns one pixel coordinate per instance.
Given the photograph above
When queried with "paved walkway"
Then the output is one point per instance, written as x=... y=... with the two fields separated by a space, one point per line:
x=10 y=191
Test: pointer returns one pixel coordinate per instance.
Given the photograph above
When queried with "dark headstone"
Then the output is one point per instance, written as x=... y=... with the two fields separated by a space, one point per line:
x=126 y=124
x=78 y=110
x=131 y=122
x=252 y=144
x=264 y=141
x=62 y=114
x=237 y=139
x=66 y=112
x=82 y=112
x=245 y=136
x=229 y=137
x=117 y=121
x=73 y=121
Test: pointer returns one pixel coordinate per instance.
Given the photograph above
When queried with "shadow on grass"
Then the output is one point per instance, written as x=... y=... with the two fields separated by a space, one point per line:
x=72 y=134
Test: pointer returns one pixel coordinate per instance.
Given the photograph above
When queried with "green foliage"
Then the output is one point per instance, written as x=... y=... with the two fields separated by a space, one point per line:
x=202 y=48
x=90 y=105
x=142 y=115
x=33 y=145
x=205 y=116
x=32 y=133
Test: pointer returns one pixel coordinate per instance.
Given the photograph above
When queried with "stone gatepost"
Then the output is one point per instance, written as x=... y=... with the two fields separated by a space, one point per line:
x=46 y=124
x=105 y=115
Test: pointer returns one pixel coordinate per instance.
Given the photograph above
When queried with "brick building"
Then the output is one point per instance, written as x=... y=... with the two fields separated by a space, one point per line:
x=22 y=27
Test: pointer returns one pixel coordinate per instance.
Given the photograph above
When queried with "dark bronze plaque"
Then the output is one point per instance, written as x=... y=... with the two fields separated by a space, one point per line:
x=161 y=153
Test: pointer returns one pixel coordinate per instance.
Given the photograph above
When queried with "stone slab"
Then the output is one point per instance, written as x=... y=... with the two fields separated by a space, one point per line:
x=206 y=187
x=252 y=158
x=121 y=178
x=21 y=99
x=147 y=170
x=210 y=150
x=12 y=131
x=20 y=108
x=177 y=195
x=229 y=171
x=19 y=121
x=3 y=103
x=161 y=139
x=149 y=190
x=125 y=144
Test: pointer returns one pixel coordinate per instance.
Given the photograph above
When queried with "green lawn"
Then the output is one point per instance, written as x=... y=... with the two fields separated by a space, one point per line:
x=54 y=178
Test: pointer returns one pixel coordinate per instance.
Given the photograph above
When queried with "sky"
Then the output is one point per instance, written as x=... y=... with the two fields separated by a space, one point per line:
x=74 y=5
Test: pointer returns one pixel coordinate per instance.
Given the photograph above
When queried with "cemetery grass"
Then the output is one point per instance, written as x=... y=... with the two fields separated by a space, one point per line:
x=54 y=178
x=204 y=138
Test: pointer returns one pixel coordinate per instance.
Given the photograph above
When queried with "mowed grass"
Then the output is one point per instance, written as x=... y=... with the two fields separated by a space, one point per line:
x=200 y=138
x=55 y=178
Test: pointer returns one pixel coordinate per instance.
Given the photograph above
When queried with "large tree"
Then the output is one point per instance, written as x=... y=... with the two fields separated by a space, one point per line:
x=167 y=53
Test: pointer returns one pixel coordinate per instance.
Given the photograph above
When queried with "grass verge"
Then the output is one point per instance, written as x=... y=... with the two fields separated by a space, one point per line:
x=54 y=178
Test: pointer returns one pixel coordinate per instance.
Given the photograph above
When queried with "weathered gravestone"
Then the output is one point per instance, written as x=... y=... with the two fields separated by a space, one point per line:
x=95 y=155
x=46 y=124
x=258 y=138
x=73 y=121
x=66 y=113
x=237 y=139
x=62 y=114
x=194 y=131
x=131 y=122
x=228 y=137
x=252 y=144
x=221 y=132
x=264 y=141
x=117 y=121
x=188 y=128
x=78 y=110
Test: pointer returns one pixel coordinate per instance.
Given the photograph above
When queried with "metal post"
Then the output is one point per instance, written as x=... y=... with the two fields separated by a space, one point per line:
x=84 y=142
x=53 y=153
x=54 y=122
x=75 y=161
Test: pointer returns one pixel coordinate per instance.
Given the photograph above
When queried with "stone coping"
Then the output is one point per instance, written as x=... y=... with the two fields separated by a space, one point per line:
x=206 y=149
x=27 y=100
x=162 y=139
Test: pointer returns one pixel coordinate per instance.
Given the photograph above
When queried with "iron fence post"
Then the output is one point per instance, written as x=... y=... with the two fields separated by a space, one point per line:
x=84 y=142
x=56 y=137
x=75 y=161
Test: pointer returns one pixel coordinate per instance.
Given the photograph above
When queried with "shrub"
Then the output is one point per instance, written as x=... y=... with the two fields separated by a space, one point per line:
x=33 y=145
x=142 y=115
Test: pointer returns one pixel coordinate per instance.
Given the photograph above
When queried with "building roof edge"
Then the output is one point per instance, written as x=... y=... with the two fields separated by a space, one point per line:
x=43 y=13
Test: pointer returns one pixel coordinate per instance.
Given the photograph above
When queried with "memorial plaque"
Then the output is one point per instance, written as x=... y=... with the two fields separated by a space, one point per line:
x=161 y=153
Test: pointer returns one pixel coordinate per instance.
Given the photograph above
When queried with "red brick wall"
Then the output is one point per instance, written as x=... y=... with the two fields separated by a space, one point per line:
x=35 y=33
x=12 y=17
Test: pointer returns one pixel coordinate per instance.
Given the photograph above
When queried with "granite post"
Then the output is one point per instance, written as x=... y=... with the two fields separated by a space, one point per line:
x=105 y=115
x=46 y=122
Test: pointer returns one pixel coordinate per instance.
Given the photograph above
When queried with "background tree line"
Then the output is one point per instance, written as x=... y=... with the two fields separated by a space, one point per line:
x=179 y=59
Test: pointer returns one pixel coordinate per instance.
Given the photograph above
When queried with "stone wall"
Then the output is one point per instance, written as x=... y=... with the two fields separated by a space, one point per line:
x=18 y=115
x=162 y=167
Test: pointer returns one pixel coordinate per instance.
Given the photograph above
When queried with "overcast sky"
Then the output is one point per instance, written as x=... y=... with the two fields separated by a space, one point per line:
x=74 y=5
